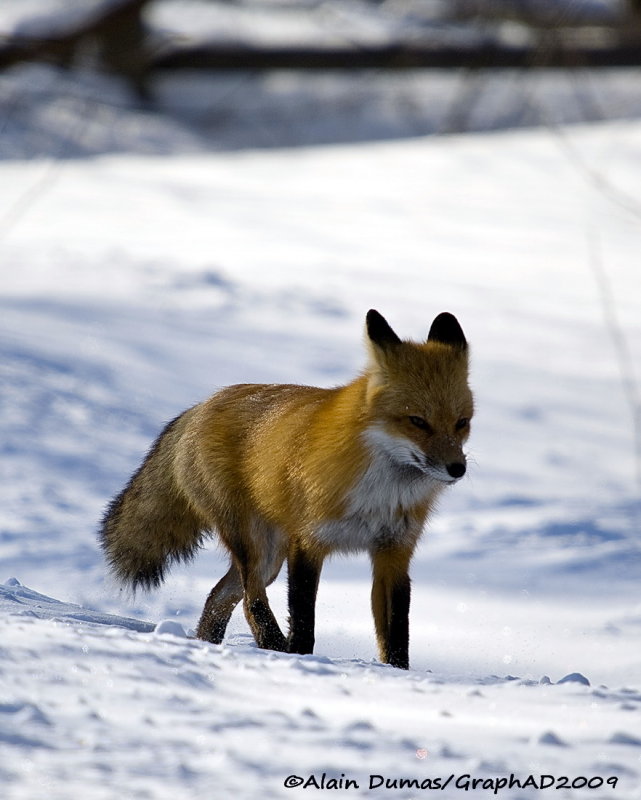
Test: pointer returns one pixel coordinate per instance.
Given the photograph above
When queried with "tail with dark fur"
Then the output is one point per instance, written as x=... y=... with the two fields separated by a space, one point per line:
x=149 y=525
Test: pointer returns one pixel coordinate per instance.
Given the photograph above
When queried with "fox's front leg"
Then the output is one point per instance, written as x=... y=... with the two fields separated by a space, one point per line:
x=303 y=572
x=391 y=605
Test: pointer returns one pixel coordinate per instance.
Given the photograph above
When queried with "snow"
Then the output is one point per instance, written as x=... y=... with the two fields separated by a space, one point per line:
x=111 y=712
x=137 y=279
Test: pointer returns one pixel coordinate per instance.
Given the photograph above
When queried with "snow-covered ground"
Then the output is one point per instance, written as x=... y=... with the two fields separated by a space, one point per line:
x=134 y=285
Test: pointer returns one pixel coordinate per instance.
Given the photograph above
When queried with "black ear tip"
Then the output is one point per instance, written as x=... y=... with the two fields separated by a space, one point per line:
x=446 y=329
x=445 y=318
x=378 y=329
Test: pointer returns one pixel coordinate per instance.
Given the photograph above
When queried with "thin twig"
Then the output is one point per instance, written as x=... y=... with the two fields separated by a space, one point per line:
x=631 y=389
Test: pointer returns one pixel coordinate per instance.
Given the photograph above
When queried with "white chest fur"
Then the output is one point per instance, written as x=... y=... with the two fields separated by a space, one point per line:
x=377 y=506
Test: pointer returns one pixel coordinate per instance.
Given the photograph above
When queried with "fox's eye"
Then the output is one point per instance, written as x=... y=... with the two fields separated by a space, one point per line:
x=462 y=423
x=421 y=423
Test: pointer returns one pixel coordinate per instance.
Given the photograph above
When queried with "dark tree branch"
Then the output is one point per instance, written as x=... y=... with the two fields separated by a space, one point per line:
x=487 y=54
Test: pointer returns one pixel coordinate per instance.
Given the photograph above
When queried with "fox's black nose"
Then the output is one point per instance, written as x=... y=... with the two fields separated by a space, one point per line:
x=456 y=469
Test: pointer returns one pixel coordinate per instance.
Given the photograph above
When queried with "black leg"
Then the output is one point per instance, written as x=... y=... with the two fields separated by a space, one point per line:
x=399 y=630
x=303 y=576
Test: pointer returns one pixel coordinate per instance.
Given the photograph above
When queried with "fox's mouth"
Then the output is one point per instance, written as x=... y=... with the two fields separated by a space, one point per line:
x=447 y=479
x=450 y=473
x=440 y=476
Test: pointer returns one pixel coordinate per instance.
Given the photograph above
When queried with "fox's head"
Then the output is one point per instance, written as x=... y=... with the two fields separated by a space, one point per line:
x=419 y=401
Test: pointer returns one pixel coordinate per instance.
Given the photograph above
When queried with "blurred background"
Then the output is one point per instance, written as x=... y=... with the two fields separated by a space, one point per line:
x=274 y=73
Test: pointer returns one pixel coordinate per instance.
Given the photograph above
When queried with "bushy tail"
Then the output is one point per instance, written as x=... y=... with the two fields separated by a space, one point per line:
x=149 y=525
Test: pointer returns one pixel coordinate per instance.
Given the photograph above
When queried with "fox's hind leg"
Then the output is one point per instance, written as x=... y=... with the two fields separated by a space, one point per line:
x=226 y=595
x=222 y=600
x=258 y=551
x=259 y=615
x=257 y=572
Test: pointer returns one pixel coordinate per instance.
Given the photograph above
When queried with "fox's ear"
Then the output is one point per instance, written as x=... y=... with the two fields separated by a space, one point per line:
x=447 y=330
x=379 y=330
x=382 y=344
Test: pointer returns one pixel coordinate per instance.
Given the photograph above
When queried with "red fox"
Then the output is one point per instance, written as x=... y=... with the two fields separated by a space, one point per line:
x=298 y=472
